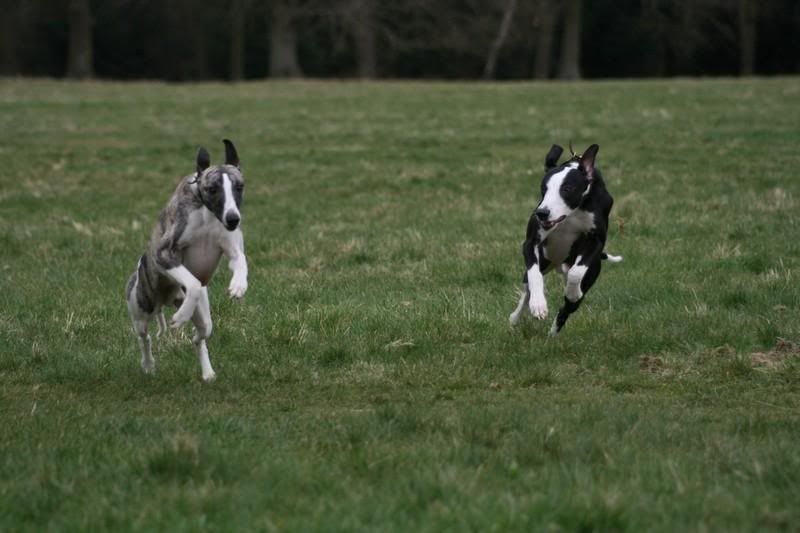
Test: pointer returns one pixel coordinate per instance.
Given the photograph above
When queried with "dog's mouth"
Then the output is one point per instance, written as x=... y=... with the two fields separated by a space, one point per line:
x=550 y=224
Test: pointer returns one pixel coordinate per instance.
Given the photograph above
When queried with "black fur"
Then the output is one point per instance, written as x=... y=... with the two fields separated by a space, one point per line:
x=231 y=157
x=584 y=191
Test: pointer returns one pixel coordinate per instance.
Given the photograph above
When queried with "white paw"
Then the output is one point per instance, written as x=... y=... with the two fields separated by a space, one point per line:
x=237 y=289
x=554 y=329
x=181 y=316
x=538 y=309
x=209 y=376
x=513 y=318
x=149 y=366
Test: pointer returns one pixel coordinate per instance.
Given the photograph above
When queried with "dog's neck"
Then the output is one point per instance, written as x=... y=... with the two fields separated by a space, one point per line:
x=196 y=191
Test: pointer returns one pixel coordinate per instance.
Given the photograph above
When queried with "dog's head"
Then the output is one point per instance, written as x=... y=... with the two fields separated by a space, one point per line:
x=564 y=186
x=220 y=187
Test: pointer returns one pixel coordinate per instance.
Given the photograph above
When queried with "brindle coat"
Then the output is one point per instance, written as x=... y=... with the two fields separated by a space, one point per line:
x=199 y=224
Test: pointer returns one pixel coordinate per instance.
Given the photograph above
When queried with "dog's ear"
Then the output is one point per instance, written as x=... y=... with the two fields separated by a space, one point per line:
x=551 y=159
x=231 y=157
x=587 y=161
x=203 y=160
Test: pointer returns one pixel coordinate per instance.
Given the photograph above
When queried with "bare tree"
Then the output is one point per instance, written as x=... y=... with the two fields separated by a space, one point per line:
x=569 y=67
x=544 y=25
x=9 y=38
x=656 y=25
x=283 y=41
x=748 y=14
x=199 y=67
x=79 y=58
x=363 y=24
x=502 y=35
x=238 y=11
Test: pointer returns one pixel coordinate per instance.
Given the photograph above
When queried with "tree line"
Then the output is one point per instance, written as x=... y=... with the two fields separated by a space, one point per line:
x=183 y=40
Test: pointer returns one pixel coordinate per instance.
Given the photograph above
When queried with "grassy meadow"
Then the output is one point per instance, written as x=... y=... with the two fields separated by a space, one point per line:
x=370 y=380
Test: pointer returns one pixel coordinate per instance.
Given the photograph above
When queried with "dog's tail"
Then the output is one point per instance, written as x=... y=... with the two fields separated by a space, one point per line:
x=611 y=258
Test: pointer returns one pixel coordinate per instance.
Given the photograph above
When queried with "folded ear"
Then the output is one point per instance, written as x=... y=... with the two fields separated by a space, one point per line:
x=203 y=160
x=551 y=159
x=587 y=160
x=231 y=157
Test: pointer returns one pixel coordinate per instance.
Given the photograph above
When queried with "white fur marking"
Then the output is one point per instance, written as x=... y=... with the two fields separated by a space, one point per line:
x=552 y=196
x=613 y=258
x=561 y=239
x=230 y=204
x=233 y=247
x=575 y=275
x=182 y=276
x=537 y=302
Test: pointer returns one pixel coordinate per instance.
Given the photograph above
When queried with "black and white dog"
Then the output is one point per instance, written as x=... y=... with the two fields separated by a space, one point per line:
x=567 y=231
x=200 y=223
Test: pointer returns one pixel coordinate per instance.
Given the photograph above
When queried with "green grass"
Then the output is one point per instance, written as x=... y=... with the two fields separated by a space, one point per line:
x=369 y=379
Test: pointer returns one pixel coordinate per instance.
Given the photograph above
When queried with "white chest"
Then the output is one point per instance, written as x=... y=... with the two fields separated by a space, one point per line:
x=200 y=244
x=560 y=240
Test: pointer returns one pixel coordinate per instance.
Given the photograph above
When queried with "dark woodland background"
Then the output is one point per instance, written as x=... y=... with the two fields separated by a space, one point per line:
x=183 y=40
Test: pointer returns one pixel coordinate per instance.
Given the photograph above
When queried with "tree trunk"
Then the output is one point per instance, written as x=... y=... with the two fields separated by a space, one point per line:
x=237 y=14
x=364 y=36
x=9 y=38
x=283 y=43
x=199 y=70
x=684 y=44
x=653 y=25
x=502 y=34
x=544 y=26
x=79 y=59
x=569 y=66
x=747 y=36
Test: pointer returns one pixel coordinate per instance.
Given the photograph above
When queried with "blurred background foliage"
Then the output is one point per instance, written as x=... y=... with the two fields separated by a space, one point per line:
x=185 y=40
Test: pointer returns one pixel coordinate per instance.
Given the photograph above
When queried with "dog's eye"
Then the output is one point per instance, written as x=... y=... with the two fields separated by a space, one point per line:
x=212 y=189
x=239 y=187
x=568 y=188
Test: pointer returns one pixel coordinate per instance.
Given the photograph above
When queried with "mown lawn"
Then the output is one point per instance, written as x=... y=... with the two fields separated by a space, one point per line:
x=370 y=380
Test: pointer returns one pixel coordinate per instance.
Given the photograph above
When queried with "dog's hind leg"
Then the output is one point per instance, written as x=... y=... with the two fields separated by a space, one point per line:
x=161 y=321
x=524 y=294
x=202 y=331
x=139 y=301
x=140 y=327
x=580 y=278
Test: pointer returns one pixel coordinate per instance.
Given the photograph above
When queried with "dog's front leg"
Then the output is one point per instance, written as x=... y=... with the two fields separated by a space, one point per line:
x=536 y=301
x=233 y=248
x=193 y=289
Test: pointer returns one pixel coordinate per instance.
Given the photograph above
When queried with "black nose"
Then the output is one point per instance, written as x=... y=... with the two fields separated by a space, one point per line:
x=543 y=213
x=232 y=220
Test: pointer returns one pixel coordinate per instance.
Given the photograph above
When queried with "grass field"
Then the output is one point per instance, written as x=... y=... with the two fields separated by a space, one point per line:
x=370 y=379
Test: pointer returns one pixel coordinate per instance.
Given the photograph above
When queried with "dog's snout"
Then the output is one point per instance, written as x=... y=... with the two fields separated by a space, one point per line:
x=543 y=213
x=232 y=220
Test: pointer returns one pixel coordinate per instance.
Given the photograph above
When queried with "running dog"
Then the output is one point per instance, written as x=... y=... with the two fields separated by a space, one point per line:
x=567 y=231
x=199 y=225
